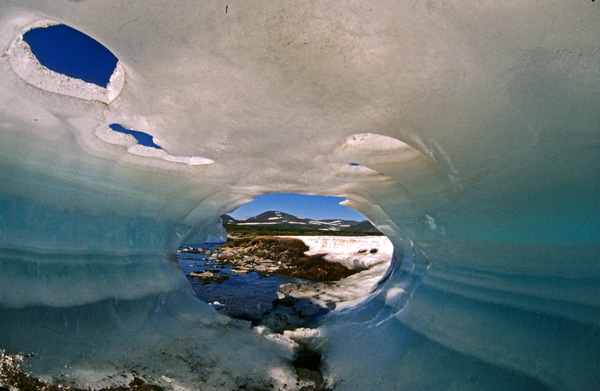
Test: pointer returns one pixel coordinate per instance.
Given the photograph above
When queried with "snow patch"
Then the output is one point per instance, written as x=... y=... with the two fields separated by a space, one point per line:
x=264 y=223
x=354 y=252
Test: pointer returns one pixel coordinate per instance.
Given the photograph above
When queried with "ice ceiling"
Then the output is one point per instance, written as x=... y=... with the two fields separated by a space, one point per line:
x=476 y=127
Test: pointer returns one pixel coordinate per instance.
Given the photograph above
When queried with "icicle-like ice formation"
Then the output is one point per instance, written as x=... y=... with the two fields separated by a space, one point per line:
x=472 y=128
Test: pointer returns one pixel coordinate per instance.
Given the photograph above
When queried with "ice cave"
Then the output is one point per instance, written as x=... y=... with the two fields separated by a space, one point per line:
x=467 y=131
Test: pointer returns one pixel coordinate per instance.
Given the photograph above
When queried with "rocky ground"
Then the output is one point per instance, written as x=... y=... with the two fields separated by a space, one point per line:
x=13 y=379
x=297 y=313
x=269 y=255
x=327 y=284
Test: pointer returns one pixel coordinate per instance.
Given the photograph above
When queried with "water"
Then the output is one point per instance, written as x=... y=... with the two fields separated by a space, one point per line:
x=245 y=296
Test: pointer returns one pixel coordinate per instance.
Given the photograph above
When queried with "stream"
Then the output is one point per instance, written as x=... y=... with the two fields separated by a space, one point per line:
x=242 y=296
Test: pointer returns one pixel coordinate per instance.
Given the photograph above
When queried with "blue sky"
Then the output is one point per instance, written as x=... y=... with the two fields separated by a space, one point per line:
x=68 y=51
x=72 y=53
x=301 y=205
x=142 y=138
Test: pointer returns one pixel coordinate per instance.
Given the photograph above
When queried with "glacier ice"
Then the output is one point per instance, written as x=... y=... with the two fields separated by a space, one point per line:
x=68 y=51
x=475 y=129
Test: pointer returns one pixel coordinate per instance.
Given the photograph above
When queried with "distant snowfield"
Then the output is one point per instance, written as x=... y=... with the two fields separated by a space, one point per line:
x=261 y=223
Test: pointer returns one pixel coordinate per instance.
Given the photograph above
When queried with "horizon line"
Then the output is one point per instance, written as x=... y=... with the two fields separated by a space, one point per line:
x=300 y=217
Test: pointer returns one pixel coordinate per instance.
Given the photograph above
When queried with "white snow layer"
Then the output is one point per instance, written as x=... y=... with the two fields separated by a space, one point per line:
x=354 y=252
x=371 y=256
x=475 y=127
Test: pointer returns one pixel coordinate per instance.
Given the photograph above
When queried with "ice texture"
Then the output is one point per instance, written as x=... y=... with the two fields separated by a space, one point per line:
x=475 y=127
x=27 y=66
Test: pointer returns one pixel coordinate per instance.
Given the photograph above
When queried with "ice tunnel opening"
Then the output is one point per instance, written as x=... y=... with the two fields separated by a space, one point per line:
x=289 y=260
x=70 y=52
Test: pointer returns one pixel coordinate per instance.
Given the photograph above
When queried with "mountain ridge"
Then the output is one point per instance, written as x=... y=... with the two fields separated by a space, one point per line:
x=282 y=219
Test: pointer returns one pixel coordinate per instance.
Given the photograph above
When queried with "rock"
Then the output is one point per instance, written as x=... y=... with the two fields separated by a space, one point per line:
x=208 y=276
x=216 y=305
x=307 y=311
x=202 y=275
x=280 y=319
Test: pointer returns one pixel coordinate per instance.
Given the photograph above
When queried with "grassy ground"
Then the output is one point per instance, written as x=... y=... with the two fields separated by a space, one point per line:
x=265 y=230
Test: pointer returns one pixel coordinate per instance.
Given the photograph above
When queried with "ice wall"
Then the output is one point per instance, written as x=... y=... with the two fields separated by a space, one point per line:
x=475 y=125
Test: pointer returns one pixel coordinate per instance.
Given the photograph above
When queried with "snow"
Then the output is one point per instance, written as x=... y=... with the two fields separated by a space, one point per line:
x=354 y=252
x=260 y=223
x=344 y=294
x=370 y=255
x=475 y=127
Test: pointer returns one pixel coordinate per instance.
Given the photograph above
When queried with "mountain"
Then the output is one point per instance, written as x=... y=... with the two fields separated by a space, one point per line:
x=281 y=219
x=228 y=219
x=364 y=226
